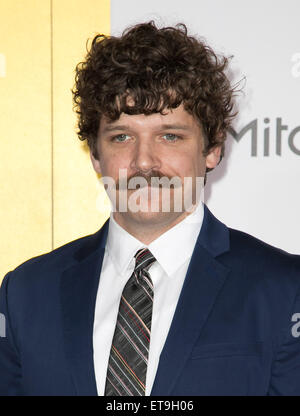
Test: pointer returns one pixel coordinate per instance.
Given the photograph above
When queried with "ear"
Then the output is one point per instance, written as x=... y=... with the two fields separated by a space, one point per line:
x=213 y=157
x=95 y=163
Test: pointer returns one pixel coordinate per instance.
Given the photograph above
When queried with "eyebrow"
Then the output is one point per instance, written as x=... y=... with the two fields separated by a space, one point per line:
x=122 y=127
x=175 y=127
x=115 y=128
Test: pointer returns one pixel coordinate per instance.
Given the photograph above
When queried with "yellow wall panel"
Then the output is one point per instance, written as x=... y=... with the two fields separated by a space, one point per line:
x=49 y=193
x=76 y=186
x=25 y=152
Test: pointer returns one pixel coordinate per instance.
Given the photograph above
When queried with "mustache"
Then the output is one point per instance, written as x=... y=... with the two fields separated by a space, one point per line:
x=151 y=179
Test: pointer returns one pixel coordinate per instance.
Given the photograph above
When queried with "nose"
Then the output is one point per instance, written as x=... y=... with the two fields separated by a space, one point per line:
x=145 y=158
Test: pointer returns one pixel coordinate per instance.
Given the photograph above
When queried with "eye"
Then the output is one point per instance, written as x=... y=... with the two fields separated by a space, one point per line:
x=170 y=137
x=120 y=138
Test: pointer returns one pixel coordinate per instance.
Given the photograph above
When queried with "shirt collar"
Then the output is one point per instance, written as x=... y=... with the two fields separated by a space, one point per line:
x=121 y=245
x=171 y=249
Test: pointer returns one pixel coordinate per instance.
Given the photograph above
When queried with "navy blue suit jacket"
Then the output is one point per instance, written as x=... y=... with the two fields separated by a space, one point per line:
x=231 y=333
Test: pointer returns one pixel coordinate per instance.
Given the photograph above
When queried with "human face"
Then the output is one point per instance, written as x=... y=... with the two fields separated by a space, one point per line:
x=169 y=145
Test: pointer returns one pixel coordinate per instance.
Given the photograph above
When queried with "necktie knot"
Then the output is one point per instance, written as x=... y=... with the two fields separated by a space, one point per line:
x=143 y=260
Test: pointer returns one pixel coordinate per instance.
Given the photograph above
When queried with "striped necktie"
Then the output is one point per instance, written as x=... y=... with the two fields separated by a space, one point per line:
x=127 y=366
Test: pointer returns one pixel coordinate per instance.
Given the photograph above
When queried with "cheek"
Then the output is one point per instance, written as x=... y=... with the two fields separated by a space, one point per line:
x=112 y=163
x=194 y=162
x=184 y=163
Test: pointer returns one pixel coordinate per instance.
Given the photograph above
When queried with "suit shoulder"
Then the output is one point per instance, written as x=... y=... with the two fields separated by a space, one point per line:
x=243 y=242
x=256 y=255
x=55 y=260
x=64 y=251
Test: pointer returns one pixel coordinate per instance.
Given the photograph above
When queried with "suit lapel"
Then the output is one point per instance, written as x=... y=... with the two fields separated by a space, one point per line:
x=204 y=279
x=79 y=286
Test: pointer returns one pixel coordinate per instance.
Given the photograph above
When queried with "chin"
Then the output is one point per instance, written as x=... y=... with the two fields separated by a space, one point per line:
x=153 y=217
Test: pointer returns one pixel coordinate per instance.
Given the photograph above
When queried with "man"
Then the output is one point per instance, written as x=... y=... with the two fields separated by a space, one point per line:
x=164 y=299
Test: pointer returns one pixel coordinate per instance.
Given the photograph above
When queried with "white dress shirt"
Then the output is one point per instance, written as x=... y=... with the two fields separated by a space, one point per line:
x=172 y=250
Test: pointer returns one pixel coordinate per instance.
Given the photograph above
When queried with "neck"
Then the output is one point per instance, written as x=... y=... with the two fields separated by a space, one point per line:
x=147 y=230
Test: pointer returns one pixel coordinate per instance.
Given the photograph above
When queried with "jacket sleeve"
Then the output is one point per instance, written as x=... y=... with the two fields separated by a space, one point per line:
x=285 y=378
x=10 y=366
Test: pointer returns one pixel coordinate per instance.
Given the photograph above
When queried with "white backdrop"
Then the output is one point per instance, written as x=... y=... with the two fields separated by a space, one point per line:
x=256 y=187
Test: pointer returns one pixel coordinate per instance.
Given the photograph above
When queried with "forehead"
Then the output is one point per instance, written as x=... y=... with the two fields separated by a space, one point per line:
x=177 y=118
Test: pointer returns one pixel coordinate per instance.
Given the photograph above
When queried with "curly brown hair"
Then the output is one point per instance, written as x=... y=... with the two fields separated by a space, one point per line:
x=157 y=69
